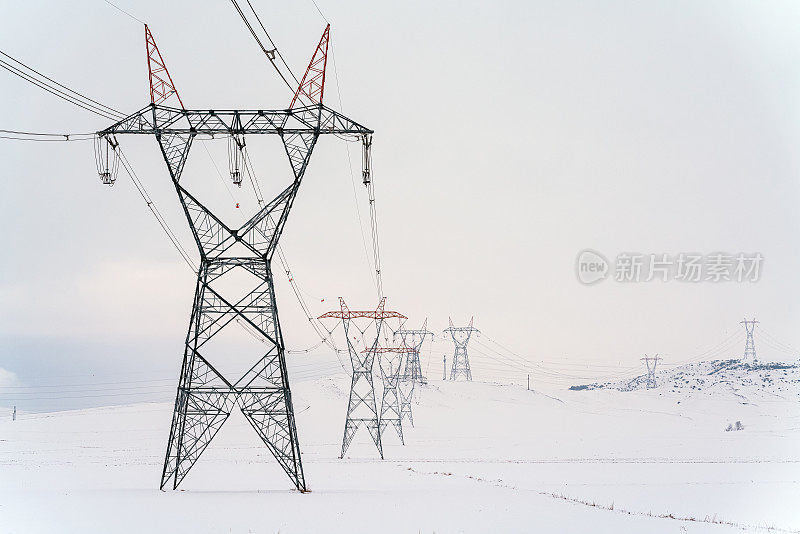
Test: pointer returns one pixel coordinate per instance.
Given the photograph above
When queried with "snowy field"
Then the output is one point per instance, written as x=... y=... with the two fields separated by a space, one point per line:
x=481 y=458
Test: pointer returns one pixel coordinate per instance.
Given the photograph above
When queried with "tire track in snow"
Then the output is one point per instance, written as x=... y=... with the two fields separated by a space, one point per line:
x=499 y=483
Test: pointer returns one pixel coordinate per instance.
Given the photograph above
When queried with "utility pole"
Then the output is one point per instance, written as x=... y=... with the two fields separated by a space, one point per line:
x=749 y=343
x=14 y=415
x=651 y=363
x=529 y=382
x=460 y=335
x=205 y=398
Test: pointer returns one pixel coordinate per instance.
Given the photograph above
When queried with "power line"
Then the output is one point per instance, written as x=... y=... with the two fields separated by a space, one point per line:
x=53 y=91
x=352 y=174
x=776 y=341
x=370 y=184
x=253 y=178
x=90 y=135
x=174 y=239
x=328 y=340
x=320 y=12
x=60 y=397
x=154 y=209
x=142 y=388
x=123 y=11
x=274 y=46
x=248 y=166
x=269 y=53
x=67 y=94
x=42 y=386
x=67 y=138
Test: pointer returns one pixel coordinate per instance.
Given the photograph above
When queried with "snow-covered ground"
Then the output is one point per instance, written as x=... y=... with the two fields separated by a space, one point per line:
x=482 y=458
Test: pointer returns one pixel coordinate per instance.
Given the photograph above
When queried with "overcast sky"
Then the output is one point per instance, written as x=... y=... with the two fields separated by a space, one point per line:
x=509 y=137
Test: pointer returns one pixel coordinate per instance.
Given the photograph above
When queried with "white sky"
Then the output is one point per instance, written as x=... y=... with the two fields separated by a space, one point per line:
x=509 y=136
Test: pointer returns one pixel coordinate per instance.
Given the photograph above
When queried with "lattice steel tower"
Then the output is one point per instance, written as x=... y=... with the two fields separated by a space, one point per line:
x=390 y=360
x=749 y=343
x=460 y=335
x=362 y=409
x=205 y=398
x=405 y=389
x=412 y=370
x=651 y=363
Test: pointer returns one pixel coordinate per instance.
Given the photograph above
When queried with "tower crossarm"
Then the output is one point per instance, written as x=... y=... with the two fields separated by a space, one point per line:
x=164 y=120
x=385 y=350
x=414 y=332
x=422 y=333
x=367 y=314
x=454 y=329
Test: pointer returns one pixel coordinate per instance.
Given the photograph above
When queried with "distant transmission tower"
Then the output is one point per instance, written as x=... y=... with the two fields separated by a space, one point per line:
x=362 y=408
x=651 y=363
x=749 y=344
x=413 y=339
x=406 y=391
x=412 y=369
x=390 y=360
x=460 y=335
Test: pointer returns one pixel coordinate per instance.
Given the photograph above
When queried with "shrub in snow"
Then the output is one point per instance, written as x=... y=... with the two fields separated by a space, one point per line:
x=737 y=426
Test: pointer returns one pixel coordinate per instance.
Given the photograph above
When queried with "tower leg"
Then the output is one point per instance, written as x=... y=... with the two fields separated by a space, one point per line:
x=263 y=392
x=205 y=398
x=362 y=408
x=406 y=391
x=390 y=407
x=416 y=367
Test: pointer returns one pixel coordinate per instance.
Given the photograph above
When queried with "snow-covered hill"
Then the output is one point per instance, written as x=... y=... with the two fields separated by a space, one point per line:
x=735 y=376
x=481 y=458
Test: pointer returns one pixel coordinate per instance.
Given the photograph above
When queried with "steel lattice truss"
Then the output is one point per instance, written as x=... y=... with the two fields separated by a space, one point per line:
x=414 y=340
x=390 y=362
x=749 y=343
x=362 y=409
x=205 y=398
x=651 y=362
x=405 y=390
x=460 y=335
x=178 y=125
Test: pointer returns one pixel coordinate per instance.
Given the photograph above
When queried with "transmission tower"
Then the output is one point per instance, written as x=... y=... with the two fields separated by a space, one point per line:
x=414 y=340
x=460 y=335
x=651 y=363
x=205 y=398
x=362 y=408
x=749 y=343
x=412 y=370
x=405 y=390
x=390 y=361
